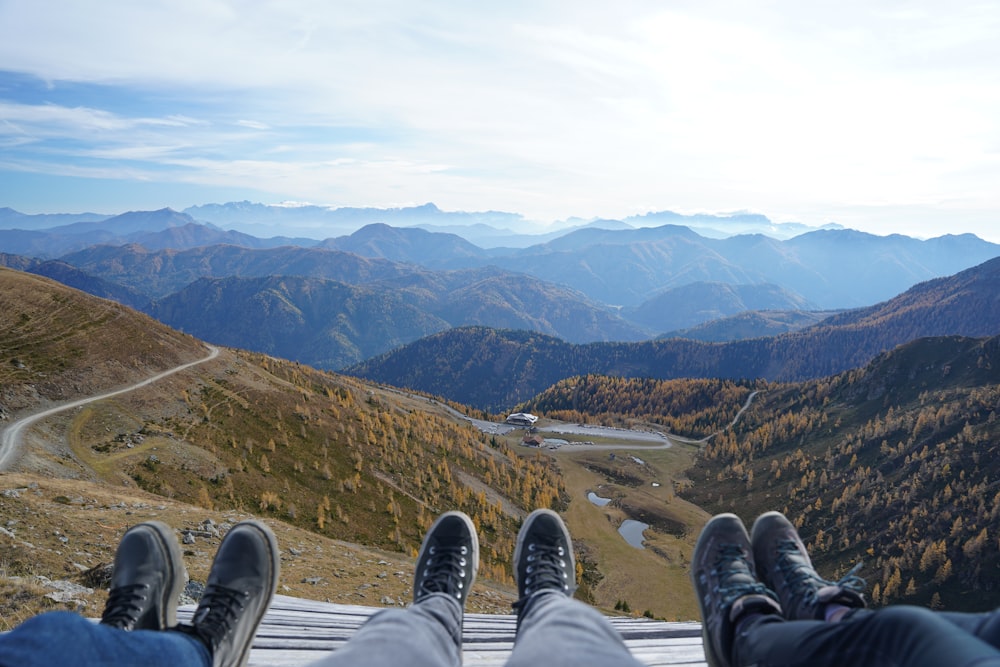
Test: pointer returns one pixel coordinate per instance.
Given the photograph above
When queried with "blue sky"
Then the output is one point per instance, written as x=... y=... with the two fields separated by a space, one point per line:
x=882 y=116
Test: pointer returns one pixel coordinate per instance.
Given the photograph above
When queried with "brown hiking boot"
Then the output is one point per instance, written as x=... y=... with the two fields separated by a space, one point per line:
x=783 y=564
x=722 y=571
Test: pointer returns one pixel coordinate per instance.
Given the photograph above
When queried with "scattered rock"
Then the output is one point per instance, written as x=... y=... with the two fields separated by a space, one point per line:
x=312 y=580
x=188 y=537
x=12 y=493
x=295 y=552
x=98 y=576
x=64 y=591
x=193 y=590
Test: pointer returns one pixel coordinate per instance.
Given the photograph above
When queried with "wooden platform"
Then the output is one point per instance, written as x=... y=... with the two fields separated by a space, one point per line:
x=296 y=632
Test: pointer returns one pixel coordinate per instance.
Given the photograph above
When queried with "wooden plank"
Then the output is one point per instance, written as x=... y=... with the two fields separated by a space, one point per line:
x=296 y=632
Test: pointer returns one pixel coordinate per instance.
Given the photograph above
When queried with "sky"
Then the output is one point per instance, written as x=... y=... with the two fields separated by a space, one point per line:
x=878 y=115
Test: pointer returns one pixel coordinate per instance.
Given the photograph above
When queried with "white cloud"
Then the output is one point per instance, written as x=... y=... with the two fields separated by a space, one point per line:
x=795 y=109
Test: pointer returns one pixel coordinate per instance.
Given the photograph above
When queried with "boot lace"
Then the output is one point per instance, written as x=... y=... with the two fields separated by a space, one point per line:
x=735 y=578
x=546 y=568
x=445 y=570
x=218 y=611
x=125 y=605
x=804 y=582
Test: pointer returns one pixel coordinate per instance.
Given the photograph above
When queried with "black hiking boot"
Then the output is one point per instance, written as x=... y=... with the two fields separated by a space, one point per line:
x=448 y=559
x=543 y=558
x=147 y=579
x=722 y=573
x=240 y=586
x=783 y=564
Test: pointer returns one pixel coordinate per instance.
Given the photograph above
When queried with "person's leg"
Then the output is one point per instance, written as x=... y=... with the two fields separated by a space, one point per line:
x=891 y=637
x=555 y=630
x=552 y=628
x=65 y=638
x=985 y=625
x=429 y=632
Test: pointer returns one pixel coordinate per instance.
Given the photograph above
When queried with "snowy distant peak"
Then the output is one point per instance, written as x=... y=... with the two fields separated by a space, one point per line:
x=322 y=222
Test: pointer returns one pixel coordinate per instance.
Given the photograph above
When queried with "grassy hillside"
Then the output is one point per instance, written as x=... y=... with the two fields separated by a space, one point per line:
x=251 y=433
x=58 y=344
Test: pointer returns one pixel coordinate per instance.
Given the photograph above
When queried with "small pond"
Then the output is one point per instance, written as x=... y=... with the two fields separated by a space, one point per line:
x=632 y=531
x=597 y=500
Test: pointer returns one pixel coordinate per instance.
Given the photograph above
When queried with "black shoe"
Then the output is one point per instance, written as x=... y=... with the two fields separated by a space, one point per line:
x=722 y=571
x=448 y=559
x=240 y=586
x=147 y=579
x=783 y=564
x=543 y=557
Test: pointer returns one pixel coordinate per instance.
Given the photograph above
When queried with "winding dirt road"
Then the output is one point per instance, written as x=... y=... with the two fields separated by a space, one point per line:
x=10 y=437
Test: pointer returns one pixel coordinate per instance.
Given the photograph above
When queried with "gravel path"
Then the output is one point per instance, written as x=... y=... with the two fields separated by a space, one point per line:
x=10 y=438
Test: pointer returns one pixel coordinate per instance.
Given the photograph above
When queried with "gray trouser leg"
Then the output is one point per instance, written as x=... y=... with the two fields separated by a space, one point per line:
x=428 y=634
x=555 y=630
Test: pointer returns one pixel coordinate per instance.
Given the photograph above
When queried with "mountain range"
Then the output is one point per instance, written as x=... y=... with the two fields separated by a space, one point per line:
x=496 y=370
x=339 y=301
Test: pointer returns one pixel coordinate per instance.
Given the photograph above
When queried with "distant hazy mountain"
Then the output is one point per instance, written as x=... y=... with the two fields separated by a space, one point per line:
x=487 y=296
x=158 y=273
x=751 y=324
x=413 y=244
x=11 y=219
x=723 y=226
x=696 y=303
x=501 y=368
x=323 y=323
x=153 y=230
x=330 y=324
x=831 y=269
x=74 y=277
x=625 y=267
x=486 y=229
x=320 y=222
x=608 y=260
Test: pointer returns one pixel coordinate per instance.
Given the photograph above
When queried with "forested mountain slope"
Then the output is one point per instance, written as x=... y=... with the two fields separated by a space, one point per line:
x=497 y=369
x=894 y=465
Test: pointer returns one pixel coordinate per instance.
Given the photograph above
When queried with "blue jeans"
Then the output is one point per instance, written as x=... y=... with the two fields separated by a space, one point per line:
x=65 y=638
x=890 y=637
x=554 y=631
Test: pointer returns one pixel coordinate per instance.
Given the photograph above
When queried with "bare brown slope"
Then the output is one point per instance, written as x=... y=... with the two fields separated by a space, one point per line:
x=250 y=433
x=57 y=343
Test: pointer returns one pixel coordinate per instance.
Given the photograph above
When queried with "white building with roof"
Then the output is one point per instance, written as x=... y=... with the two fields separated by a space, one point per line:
x=522 y=419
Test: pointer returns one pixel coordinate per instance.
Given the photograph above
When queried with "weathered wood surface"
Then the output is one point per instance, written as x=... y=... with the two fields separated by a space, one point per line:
x=296 y=632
